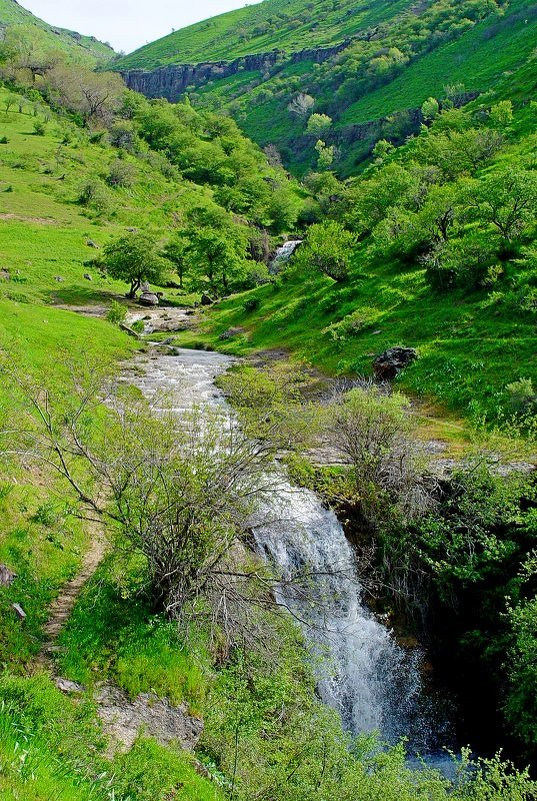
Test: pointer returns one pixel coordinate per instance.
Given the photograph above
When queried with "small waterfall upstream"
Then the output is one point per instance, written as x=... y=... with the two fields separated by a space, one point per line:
x=373 y=682
x=282 y=255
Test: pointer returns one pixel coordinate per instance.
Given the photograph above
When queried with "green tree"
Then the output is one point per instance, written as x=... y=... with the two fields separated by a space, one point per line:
x=134 y=258
x=318 y=124
x=176 y=252
x=507 y=200
x=430 y=108
x=328 y=248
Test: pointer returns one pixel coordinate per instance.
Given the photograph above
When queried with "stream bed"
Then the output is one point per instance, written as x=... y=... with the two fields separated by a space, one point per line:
x=373 y=682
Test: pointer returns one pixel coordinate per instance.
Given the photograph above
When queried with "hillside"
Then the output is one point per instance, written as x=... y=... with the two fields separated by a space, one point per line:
x=369 y=67
x=15 y=16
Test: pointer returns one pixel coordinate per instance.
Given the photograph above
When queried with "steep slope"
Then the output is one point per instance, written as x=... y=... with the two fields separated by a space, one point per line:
x=14 y=15
x=368 y=66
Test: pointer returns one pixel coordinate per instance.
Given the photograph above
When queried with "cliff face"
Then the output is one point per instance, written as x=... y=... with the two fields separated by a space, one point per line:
x=171 y=81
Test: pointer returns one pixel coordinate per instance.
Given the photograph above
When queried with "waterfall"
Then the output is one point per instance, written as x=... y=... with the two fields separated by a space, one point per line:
x=282 y=255
x=373 y=682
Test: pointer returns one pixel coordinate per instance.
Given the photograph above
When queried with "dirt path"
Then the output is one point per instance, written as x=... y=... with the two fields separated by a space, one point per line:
x=62 y=606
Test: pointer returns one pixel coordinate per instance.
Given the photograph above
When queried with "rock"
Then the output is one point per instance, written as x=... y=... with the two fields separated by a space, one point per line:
x=7 y=577
x=123 y=718
x=19 y=611
x=132 y=230
x=59 y=279
x=230 y=333
x=206 y=300
x=148 y=299
x=189 y=312
x=88 y=277
x=67 y=686
x=5 y=275
x=388 y=364
x=91 y=244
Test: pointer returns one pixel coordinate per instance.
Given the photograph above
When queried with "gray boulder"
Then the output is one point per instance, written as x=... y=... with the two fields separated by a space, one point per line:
x=206 y=300
x=149 y=299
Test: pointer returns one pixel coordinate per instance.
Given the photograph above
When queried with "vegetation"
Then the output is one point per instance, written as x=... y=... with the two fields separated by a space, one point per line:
x=369 y=67
x=432 y=246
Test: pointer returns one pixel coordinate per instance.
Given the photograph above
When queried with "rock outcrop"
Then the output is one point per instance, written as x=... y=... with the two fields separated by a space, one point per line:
x=388 y=364
x=124 y=719
x=172 y=80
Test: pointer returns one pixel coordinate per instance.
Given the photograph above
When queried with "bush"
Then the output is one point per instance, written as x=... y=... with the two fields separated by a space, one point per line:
x=94 y=194
x=121 y=174
x=4 y=140
x=39 y=128
x=116 y=313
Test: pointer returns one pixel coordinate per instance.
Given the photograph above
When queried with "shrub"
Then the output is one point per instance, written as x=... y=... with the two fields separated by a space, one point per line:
x=121 y=174
x=39 y=128
x=116 y=313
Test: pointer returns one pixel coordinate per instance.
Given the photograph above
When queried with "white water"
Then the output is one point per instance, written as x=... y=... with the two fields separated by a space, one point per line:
x=282 y=255
x=364 y=674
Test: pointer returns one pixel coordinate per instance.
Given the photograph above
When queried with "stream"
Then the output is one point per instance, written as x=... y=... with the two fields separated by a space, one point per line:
x=363 y=673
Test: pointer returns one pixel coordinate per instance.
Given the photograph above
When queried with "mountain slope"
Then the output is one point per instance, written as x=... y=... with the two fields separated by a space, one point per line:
x=289 y=25
x=358 y=63
x=14 y=15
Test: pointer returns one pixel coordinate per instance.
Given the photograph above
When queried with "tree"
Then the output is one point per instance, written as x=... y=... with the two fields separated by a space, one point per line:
x=216 y=249
x=328 y=248
x=93 y=95
x=176 y=252
x=502 y=113
x=318 y=124
x=301 y=105
x=134 y=258
x=371 y=430
x=507 y=200
x=430 y=108
x=327 y=154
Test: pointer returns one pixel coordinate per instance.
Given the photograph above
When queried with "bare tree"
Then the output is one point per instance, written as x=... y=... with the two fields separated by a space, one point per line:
x=371 y=430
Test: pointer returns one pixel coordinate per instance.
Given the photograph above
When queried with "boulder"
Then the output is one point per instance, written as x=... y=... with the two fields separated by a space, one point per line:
x=390 y=363
x=19 y=611
x=149 y=299
x=231 y=332
x=88 y=277
x=206 y=300
x=59 y=279
x=5 y=275
x=7 y=577
x=91 y=244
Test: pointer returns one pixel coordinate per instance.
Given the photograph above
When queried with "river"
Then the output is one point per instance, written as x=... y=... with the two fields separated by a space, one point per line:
x=373 y=682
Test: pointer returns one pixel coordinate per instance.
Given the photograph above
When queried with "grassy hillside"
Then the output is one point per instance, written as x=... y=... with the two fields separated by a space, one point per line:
x=395 y=56
x=13 y=15
x=288 y=25
x=473 y=340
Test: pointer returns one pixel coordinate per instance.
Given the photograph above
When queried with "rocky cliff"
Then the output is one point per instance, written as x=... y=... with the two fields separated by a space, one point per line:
x=171 y=81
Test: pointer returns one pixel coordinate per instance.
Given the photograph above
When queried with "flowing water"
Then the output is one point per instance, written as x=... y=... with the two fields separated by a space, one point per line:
x=373 y=682
x=282 y=255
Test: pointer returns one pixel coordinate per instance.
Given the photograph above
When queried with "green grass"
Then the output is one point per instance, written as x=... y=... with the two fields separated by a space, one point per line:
x=293 y=25
x=113 y=636
x=14 y=15
x=475 y=59
x=51 y=748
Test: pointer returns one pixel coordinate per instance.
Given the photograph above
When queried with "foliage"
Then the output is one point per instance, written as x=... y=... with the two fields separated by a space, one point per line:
x=328 y=248
x=133 y=257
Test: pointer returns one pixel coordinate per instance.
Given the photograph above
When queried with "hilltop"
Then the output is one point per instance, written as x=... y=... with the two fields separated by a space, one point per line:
x=16 y=17
x=367 y=66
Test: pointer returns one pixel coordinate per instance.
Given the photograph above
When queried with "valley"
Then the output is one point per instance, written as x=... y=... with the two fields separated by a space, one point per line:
x=268 y=407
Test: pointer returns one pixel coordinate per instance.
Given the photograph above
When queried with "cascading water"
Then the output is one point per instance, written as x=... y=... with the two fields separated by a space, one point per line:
x=282 y=255
x=373 y=682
